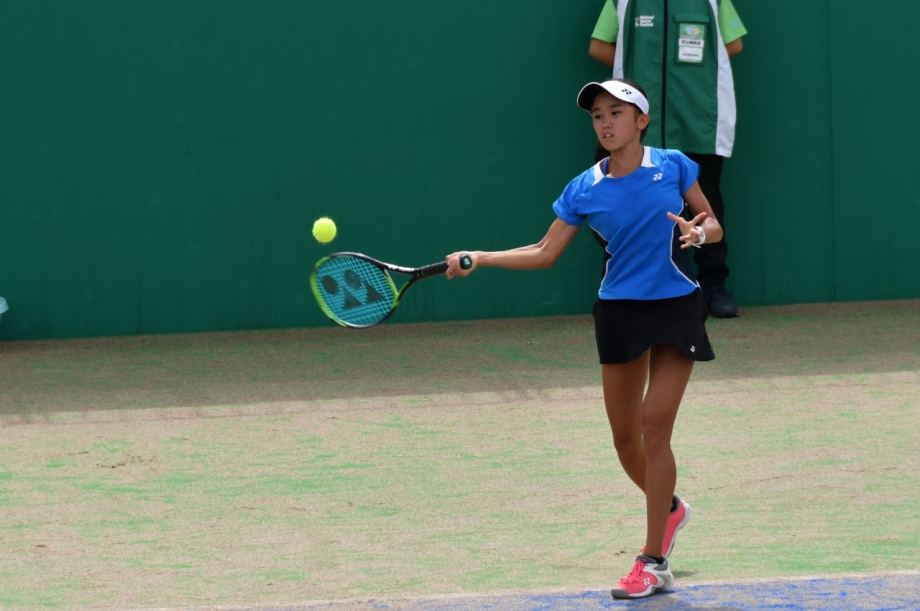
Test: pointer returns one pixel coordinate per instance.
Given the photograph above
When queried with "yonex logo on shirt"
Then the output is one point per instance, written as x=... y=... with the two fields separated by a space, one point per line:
x=657 y=177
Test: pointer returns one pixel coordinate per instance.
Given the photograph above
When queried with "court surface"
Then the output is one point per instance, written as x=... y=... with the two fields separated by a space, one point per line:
x=455 y=465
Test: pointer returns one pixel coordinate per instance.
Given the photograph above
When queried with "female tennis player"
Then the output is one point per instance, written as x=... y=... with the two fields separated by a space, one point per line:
x=649 y=316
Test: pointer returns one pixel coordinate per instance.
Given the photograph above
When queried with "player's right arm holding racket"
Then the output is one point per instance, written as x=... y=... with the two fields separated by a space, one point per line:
x=536 y=256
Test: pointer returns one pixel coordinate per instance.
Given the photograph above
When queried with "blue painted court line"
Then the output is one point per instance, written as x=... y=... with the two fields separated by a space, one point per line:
x=896 y=592
x=849 y=594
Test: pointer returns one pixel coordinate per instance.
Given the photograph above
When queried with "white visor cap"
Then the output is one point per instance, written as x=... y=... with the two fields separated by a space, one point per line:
x=617 y=89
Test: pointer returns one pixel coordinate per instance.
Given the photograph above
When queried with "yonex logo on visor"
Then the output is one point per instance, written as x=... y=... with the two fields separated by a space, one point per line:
x=617 y=89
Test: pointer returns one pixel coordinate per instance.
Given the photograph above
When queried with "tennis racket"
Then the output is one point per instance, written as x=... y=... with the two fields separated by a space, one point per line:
x=357 y=291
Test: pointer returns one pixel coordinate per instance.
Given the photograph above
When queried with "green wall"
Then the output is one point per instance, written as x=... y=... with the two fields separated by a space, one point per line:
x=162 y=163
x=819 y=185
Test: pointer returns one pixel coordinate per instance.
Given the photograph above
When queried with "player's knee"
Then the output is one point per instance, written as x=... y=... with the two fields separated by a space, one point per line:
x=627 y=444
x=656 y=437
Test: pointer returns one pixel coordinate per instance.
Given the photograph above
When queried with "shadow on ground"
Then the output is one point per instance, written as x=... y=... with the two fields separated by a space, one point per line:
x=506 y=355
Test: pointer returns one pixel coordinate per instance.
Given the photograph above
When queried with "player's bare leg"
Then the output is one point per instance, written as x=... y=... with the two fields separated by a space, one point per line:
x=669 y=372
x=624 y=385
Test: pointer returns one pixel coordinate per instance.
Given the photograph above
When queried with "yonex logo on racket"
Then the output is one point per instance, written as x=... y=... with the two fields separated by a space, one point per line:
x=353 y=280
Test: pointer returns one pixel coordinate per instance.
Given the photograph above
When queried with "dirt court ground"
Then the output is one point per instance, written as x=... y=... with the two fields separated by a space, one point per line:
x=443 y=458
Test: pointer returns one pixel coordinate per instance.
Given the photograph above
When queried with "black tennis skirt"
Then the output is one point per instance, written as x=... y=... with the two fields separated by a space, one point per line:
x=626 y=328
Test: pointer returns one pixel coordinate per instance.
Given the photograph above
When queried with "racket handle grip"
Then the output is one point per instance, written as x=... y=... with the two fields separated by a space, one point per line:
x=440 y=268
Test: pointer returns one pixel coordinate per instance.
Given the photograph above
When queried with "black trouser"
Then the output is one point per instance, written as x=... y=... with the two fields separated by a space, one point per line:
x=710 y=258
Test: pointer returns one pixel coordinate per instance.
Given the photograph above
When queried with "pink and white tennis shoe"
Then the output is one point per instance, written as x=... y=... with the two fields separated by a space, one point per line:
x=676 y=520
x=646 y=578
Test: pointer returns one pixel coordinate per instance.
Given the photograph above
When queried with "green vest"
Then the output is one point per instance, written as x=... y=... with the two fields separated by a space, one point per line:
x=674 y=49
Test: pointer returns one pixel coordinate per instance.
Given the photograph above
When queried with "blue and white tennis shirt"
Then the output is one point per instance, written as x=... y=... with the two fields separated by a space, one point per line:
x=630 y=215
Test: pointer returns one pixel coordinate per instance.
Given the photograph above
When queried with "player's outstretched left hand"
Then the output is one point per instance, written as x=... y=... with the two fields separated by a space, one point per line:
x=454 y=268
x=690 y=233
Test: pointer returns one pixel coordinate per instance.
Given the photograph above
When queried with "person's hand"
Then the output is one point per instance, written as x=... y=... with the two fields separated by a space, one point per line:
x=690 y=233
x=454 y=268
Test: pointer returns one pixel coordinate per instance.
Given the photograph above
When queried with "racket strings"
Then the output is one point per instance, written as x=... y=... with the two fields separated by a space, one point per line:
x=354 y=291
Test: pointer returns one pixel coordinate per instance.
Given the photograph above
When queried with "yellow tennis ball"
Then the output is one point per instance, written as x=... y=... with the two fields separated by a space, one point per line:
x=324 y=230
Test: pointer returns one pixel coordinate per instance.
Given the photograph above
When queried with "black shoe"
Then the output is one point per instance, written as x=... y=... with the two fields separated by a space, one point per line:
x=719 y=302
